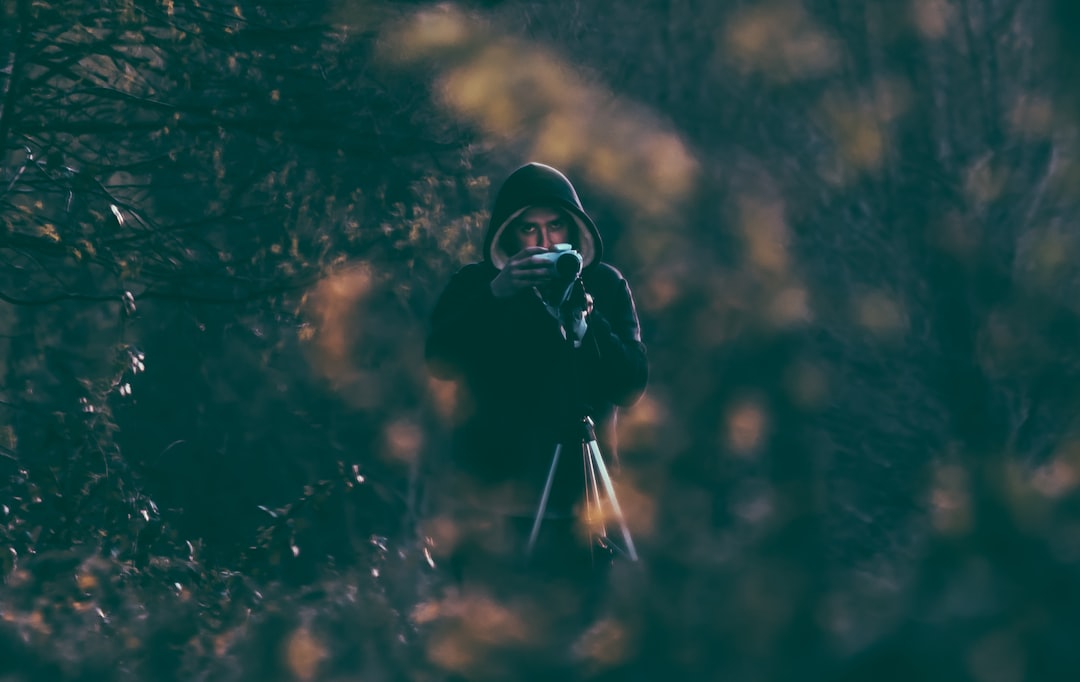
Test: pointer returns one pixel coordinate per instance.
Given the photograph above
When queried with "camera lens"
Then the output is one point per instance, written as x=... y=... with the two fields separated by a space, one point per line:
x=568 y=265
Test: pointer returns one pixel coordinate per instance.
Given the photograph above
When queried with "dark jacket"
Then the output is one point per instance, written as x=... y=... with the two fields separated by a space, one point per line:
x=523 y=387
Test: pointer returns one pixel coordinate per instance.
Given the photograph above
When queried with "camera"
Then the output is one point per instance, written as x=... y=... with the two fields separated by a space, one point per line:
x=564 y=261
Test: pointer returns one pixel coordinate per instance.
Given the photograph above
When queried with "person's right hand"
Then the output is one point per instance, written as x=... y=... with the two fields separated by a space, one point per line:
x=521 y=272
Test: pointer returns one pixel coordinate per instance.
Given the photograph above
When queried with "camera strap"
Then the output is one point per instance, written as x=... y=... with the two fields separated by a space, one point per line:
x=569 y=311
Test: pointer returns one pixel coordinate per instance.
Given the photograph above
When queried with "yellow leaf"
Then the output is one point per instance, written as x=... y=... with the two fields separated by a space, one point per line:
x=48 y=230
x=304 y=653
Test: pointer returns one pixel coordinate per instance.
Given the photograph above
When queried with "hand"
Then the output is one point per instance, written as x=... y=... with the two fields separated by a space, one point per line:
x=574 y=314
x=521 y=272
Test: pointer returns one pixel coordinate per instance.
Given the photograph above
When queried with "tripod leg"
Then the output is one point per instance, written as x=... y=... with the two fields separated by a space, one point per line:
x=594 y=513
x=609 y=488
x=542 y=508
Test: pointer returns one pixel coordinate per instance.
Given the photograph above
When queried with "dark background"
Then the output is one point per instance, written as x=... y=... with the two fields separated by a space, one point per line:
x=851 y=232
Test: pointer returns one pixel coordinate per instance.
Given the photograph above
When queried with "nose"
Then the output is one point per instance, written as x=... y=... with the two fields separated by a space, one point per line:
x=545 y=238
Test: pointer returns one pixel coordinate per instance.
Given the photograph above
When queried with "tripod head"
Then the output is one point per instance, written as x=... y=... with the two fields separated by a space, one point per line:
x=585 y=430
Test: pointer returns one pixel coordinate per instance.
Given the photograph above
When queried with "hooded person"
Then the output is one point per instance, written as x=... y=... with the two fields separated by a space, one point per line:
x=526 y=371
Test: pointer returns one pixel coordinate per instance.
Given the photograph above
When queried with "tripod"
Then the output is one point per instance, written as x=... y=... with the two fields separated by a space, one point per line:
x=596 y=474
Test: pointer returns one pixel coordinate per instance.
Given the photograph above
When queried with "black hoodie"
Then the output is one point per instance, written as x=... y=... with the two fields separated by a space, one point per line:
x=524 y=389
x=535 y=184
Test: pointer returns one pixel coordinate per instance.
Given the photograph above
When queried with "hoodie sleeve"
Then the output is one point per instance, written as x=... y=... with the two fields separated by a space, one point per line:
x=462 y=325
x=612 y=345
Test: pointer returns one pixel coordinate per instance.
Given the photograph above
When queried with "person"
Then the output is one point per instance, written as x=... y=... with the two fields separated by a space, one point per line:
x=528 y=370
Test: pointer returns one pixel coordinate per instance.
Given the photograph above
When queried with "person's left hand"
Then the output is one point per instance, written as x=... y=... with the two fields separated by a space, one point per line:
x=574 y=314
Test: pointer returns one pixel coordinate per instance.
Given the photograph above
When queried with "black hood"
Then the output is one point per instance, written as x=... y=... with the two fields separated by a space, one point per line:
x=535 y=184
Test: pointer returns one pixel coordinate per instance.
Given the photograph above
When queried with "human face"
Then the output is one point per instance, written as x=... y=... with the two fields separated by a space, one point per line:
x=540 y=226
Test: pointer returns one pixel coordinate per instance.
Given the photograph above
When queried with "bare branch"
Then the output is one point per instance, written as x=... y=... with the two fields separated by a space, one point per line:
x=286 y=286
x=14 y=69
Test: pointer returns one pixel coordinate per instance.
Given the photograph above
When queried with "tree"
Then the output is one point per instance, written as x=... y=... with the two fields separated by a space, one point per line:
x=847 y=226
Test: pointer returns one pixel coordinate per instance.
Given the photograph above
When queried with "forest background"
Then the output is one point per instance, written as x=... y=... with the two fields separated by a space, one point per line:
x=850 y=229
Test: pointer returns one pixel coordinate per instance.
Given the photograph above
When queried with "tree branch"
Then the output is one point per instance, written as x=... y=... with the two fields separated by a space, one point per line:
x=15 y=68
x=150 y=294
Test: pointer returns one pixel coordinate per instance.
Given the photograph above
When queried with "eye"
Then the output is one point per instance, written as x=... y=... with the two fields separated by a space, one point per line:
x=527 y=228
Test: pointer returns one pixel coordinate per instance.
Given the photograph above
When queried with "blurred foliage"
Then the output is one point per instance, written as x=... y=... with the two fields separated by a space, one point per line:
x=849 y=229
